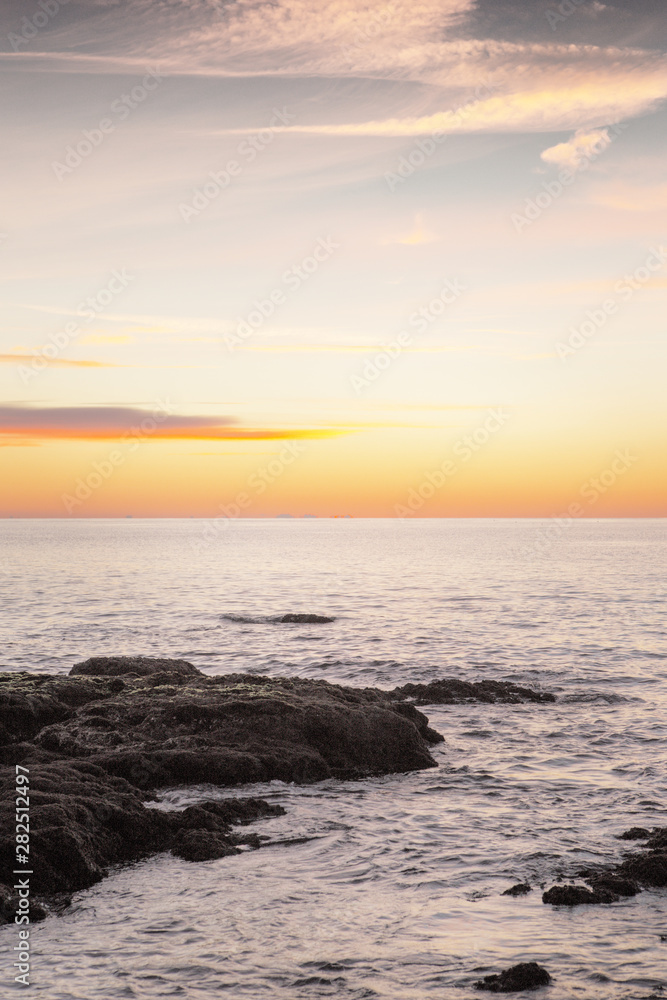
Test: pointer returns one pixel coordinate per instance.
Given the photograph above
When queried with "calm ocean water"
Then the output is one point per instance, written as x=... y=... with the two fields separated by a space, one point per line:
x=398 y=896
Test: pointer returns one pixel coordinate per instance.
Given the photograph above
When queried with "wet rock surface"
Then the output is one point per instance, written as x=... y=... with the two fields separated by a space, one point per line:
x=525 y=976
x=451 y=691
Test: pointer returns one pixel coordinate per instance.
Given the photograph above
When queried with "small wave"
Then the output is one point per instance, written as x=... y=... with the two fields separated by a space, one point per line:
x=292 y=618
x=590 y=697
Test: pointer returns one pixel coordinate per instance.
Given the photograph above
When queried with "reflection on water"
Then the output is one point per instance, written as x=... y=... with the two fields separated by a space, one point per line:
x=394 y=891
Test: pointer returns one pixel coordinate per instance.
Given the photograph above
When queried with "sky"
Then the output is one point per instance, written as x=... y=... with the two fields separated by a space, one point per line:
x=377 y=259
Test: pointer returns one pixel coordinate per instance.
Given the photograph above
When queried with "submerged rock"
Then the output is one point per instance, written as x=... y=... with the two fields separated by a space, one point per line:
x=526 y=976
x=305 y=619
x=522 y=889
x=451 y=691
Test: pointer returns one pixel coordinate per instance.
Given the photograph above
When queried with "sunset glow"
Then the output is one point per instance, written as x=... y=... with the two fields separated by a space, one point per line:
x=257 y=261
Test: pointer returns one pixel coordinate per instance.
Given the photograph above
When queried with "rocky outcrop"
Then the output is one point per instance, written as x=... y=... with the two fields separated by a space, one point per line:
x=450 y=691
x=100 y=741
x=526 y=976
x=168 y=727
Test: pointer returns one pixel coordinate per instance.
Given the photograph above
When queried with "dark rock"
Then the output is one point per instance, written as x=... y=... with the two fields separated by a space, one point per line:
x=239 y=728
x=649 y=869
x=303 y=619
x=650 y=866
x=203 y=845
x=576 y=895
x=141 y=666
x=635 y=833
x=84 y=820
x=409 y=711
x=30 y=702
x=451 y=691
x=526 y=976
x=645 y=868
x=615 y=884
x=522 y=889
x=9 y=906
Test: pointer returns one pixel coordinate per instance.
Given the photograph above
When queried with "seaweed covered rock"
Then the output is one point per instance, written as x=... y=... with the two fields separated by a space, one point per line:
x=635 y=833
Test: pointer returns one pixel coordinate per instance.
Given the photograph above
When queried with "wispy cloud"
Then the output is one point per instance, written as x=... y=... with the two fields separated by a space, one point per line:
x=539 y=86
x=27 y=359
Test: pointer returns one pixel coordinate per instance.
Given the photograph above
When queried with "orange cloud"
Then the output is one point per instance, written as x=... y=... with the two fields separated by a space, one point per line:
x=112 y=423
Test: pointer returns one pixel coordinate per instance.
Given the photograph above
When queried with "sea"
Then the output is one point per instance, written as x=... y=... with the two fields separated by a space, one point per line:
x=391 y=888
